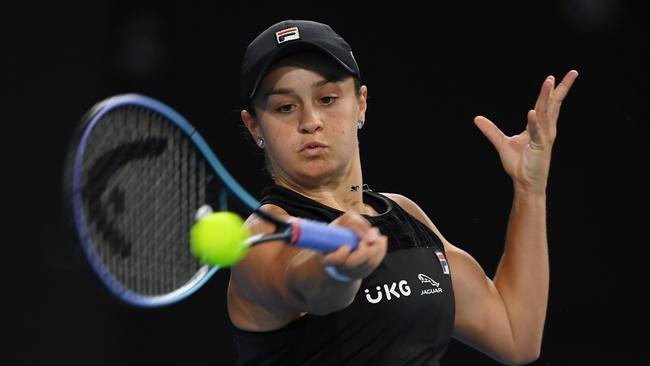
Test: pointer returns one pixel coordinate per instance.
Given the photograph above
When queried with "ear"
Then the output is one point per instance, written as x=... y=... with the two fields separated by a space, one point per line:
x=250 y=124
x=363 y=102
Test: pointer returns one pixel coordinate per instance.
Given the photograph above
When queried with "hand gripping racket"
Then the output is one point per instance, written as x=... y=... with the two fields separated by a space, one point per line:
x=136 y=175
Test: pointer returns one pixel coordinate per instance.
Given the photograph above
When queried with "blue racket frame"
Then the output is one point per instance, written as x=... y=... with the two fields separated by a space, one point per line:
x=113 y=285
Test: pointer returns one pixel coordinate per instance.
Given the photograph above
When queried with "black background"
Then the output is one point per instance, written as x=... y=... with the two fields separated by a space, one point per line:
x=429 y=69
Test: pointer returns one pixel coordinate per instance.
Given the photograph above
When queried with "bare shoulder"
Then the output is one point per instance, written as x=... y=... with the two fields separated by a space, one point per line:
x=409 y=205
x=416 y=211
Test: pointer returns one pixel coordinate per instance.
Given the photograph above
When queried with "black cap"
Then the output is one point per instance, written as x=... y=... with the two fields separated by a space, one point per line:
x=287 y=37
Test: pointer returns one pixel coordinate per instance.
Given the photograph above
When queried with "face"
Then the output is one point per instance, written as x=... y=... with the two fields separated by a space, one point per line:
x=308 y=121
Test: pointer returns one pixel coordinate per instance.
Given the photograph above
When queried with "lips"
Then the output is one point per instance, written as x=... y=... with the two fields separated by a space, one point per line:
x=312 y=145
x=312 y=149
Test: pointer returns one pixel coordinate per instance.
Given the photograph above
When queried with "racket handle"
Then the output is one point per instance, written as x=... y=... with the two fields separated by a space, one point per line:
x=321 y=236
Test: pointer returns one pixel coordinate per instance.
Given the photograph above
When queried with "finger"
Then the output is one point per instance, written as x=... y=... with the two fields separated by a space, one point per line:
x=365 y=247
x=541 y=104
x=380 y=248
x=559 y=94
x=354 y=221
x=536 y=139
x=371 y=236
x=364 y=250
x=564 y=86
x=490 y=130
x=337 y=257
x=367 y=257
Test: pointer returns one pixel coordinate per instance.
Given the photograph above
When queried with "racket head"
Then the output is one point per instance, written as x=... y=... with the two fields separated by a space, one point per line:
x=135 y=175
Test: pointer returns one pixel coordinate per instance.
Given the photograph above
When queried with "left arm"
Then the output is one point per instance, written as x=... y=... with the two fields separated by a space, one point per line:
x=519 y=290
x=504 y=317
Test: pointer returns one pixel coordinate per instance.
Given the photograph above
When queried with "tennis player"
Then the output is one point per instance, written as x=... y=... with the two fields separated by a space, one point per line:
x=400 y=297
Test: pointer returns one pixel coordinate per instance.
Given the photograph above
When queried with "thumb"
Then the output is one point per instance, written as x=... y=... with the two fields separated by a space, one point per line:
x=490 y=130
x=337 y=257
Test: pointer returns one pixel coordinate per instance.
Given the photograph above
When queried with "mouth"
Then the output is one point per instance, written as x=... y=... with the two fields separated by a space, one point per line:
x=312 y=148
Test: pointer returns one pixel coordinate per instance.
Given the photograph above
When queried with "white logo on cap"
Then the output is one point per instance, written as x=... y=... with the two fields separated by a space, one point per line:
x=287 y=34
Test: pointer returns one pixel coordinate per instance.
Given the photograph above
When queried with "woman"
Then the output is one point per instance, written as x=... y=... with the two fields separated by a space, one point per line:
x=399 y=297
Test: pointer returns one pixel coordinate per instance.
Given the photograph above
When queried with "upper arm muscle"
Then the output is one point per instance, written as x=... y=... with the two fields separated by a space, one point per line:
x=481 y=318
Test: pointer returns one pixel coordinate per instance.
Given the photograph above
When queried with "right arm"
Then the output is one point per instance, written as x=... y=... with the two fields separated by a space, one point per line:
x=277 y=283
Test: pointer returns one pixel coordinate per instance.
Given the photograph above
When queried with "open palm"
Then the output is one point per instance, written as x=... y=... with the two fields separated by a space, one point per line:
x=526 y=157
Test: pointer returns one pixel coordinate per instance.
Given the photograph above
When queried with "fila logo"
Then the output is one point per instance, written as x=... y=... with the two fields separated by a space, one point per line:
x=287 y=34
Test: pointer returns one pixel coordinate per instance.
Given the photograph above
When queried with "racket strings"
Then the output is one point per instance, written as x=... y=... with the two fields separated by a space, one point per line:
x=149 y=182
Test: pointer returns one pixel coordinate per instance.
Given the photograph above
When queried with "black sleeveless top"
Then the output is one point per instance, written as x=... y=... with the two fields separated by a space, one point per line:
x=403 y=313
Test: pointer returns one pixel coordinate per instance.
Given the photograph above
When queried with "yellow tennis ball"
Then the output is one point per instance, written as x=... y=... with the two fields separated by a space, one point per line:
x=218 y=239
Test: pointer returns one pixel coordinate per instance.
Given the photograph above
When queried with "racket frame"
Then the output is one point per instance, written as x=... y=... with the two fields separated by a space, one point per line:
x=93 y=117
x=290 y=232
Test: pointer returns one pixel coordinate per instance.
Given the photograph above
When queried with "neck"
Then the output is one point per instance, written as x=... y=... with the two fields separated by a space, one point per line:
x=343 y=193
x=362 y=187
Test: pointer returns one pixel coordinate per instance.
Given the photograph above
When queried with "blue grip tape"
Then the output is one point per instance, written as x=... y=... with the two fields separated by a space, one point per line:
x=327 y=238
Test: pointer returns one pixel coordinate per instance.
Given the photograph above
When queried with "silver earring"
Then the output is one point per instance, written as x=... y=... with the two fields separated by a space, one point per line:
x=260 y=142
x=360 y=124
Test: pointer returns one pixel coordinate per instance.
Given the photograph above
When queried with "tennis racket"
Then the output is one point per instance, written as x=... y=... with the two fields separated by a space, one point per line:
x=136 y=176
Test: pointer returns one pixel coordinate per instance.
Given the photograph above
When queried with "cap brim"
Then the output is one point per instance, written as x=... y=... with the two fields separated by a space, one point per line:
x=294 y=47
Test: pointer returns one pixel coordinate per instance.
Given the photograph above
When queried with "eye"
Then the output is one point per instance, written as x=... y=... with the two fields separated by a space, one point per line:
x=328 y=100
x=285 y=108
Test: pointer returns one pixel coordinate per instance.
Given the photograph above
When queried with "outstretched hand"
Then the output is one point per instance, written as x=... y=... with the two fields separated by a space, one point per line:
x=526 y=157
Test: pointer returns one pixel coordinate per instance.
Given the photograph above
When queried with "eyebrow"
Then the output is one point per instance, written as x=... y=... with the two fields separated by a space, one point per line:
x=285 y=91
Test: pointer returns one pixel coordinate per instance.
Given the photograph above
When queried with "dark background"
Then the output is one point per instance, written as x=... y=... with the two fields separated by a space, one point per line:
x=429 y=69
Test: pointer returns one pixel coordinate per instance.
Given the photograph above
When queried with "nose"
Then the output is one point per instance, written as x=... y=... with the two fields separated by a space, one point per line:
x=310 y=120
